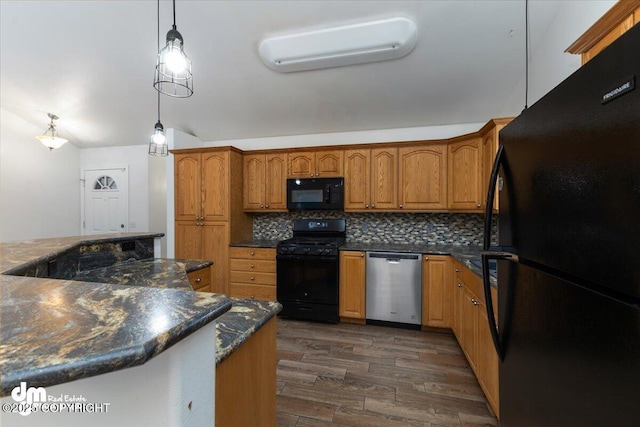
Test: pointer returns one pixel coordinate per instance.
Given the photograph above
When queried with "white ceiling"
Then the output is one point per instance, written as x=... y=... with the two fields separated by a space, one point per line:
x=92 y=64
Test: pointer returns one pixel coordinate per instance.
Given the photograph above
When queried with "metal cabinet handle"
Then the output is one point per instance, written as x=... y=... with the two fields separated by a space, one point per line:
x=311 y=175
x=252 y=253
x=252 y=297
x=478 y=205
x=366 y=206
x=457 y=270
x=267 y=206
x=373 y=206
x=361 y=255
x=261 y=206
x=459 y=285
x=426 y=258
x=253 y=266
x=474 y=301
x=198 y=280
x=201 y=218
x=400 y=206
x=253 y=278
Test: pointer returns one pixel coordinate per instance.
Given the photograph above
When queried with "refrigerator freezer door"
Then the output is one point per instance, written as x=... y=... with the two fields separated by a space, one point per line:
x=571 y=170
x=571 y=356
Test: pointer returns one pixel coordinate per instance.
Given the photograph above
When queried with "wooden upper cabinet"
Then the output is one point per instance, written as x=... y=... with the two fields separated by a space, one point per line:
x=215 y=184
x=423 y=177
x=489 y=148
x=264 y=182
x=253 y=181
x=384 y=178
x=465 y=175
x=275 y=182
x=187 y=187
x=302 y=165
x=357 y=179
x=615 y=22
x=324 y=164
x=329 y=163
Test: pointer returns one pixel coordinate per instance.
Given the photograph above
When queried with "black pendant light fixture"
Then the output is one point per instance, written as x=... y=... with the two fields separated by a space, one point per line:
x=158 y=143
x=173 y=67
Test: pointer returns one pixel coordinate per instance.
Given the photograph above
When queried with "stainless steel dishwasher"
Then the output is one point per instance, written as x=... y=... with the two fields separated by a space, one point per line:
x=394 y=287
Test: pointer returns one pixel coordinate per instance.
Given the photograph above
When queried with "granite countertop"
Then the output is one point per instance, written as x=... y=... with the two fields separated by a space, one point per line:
x=156 y=272
x=239 y=323
x=31 y=252
x=255 y=244
x=56 y=331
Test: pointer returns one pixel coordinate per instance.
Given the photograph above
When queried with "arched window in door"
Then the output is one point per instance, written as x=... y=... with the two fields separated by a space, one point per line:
x=105 y=182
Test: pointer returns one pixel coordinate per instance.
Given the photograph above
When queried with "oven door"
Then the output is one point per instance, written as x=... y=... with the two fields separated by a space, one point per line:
x=310 y=279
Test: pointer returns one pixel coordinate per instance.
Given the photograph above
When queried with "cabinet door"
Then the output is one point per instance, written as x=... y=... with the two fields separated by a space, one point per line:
x=253 y=182
x=489 y=148
x=215 y=243
x=469 y=325
x=215 y=183
x=352 y=285
x=384 y=178
x=465 y=171
x=301 y=165
x=458 y=298
x=276 y=182
x=487 y=359
x=357 y=176
x=187 y=187
x=329 y=163
x=423 y=177
x=437 y=291
x=188 y=240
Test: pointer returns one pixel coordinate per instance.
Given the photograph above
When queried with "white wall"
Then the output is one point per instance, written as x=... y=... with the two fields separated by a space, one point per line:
x=136 y=158
x=359 y=137
x=549 y=65
x=39 y=189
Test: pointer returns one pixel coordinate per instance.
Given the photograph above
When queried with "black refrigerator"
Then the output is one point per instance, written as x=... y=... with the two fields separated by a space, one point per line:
x=568 y=179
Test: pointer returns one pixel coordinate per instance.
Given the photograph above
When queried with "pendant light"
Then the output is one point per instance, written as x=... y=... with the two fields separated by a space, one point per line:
x=50 y=138
x=158 y=143
x=173 y=66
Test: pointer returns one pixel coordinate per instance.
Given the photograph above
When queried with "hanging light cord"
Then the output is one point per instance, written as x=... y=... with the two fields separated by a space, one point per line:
x=159 y=52
x=174 y=14
x=526 y=50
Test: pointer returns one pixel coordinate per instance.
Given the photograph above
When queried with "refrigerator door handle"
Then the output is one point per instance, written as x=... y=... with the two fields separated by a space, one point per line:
x=493 y=327
x=488 y=214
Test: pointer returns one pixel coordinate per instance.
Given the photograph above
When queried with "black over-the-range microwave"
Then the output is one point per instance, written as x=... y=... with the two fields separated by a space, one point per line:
x=315 y=194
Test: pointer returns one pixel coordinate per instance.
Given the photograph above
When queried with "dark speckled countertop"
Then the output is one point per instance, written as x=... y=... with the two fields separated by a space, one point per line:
x=56 y=331
x=256 y=244
x=106 y=318
x=156 y=272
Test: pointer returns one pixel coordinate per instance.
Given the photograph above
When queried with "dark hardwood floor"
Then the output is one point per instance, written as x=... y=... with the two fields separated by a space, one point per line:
x=370 y=376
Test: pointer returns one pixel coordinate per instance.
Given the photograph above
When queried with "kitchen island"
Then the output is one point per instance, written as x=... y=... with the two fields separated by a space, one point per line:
x=75 y=337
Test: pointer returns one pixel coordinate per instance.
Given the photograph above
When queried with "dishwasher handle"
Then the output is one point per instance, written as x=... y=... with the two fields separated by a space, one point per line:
x=393 y=258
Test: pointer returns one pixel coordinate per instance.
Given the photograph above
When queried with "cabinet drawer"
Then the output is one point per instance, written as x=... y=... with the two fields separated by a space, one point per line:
x=200 y=280
x=253 y=253
x=251 y=277
x=240 y=290
x=253 y=265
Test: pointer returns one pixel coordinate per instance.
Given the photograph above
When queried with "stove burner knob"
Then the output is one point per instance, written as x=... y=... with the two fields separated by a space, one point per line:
x=320 y=250
x=327 y=251
x=306 y=250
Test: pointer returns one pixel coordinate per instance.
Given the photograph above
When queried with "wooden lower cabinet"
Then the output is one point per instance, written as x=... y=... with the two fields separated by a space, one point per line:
x=246 y=382
x=352 y=285
x=471 y=328
x=200 y=280
x=437 y=291
x=252 y=273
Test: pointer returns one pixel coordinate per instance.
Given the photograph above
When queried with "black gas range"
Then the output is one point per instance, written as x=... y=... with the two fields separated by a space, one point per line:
x=308 y=269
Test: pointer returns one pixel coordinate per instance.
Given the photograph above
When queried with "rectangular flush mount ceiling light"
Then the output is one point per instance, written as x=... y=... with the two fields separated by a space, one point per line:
x=338 y=46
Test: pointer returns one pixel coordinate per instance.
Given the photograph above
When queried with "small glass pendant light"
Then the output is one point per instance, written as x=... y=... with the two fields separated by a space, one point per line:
x=158 y=143
x=50 y=138
x=173 y=67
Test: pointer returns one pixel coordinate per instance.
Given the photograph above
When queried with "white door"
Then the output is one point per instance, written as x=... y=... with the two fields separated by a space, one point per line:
x=106 y=201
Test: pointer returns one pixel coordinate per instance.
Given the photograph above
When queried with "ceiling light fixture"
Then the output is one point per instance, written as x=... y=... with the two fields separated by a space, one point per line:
x=50 y=137
x=158 y=143
x=173 y=66
x=339 y=46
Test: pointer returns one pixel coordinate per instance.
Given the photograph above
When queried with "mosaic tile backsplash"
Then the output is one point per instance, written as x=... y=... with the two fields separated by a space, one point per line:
x=412 y=228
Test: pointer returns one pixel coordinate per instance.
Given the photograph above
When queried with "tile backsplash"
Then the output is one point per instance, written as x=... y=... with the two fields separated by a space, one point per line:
x=420 y=228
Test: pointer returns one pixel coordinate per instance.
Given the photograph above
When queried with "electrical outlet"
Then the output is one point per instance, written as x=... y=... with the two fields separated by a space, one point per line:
x=429 y=228
x=365 y=227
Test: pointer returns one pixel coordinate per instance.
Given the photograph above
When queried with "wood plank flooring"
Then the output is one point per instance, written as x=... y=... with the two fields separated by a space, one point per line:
x=369 y=376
